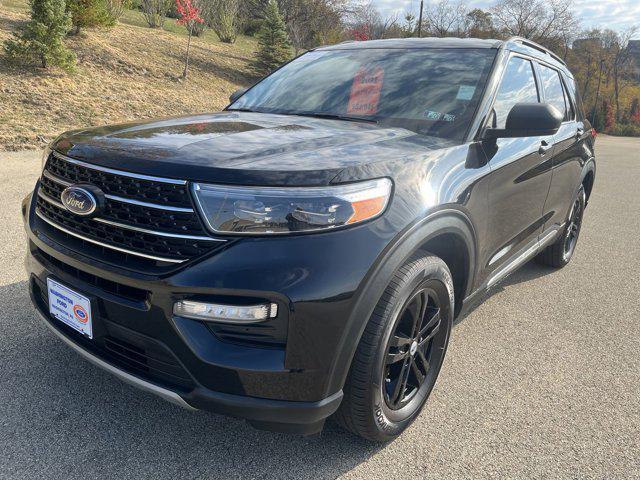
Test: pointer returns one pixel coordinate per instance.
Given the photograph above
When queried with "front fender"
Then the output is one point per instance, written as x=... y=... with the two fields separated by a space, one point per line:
x=393 y=257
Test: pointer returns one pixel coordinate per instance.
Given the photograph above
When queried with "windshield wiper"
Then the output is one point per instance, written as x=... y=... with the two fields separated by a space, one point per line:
x=331 y=116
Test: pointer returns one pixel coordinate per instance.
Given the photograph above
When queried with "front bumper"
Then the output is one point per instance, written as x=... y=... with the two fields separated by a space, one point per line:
x=292 y=387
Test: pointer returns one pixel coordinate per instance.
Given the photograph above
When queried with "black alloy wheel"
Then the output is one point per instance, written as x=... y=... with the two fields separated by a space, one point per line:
x=399 y=356
x=559 y=253
x=573 y=228
x=410 y=349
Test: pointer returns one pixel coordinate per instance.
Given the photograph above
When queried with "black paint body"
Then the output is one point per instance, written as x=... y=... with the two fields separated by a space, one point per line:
x=478 y=204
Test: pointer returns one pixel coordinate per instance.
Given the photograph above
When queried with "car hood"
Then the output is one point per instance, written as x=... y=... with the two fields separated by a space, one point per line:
x=244 y=147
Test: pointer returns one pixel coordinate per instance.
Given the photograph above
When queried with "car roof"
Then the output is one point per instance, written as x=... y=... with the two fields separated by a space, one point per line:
x=514 y=44
x=430 y=42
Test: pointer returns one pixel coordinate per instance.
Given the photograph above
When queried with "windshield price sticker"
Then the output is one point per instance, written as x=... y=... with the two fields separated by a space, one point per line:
x=365 y=91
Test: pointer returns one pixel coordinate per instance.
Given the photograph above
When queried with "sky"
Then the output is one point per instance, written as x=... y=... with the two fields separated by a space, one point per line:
x=614 y=14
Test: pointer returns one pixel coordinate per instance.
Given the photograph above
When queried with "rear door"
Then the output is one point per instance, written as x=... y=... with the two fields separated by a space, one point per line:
x=520 y=172
x=568 y=145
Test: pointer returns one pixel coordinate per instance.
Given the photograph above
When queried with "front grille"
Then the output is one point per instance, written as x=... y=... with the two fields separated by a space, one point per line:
x=125 y=291
x=164 y=192
x=147 y=217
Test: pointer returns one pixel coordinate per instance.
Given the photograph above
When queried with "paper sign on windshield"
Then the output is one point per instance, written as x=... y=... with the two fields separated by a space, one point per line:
x=365 y=91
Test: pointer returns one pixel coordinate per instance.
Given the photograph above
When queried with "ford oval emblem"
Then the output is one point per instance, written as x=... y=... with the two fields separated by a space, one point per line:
x=79 y=200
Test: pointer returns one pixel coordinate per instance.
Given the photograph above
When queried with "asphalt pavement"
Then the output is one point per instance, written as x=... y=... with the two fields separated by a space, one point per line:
x=540 y=381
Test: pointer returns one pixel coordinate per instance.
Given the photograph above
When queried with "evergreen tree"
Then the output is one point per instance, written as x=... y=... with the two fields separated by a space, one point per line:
x=41 y=38
x=274 y=46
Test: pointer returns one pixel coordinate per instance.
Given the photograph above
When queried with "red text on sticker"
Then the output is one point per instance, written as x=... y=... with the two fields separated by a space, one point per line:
x=365 y=91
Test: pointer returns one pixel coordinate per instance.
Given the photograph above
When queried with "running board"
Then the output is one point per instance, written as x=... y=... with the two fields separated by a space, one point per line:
x=523 y=258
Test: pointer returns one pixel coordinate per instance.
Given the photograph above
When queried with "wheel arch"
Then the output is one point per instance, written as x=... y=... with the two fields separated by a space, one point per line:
x=588 y=177
x=440 y=234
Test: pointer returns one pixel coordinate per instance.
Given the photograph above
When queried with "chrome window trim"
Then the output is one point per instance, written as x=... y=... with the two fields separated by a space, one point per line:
x=55 y=178
x=106 y=245
x=119 y=172
x=52 y=201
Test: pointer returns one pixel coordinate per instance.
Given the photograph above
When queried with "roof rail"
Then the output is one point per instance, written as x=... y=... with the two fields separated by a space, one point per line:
x=537 y=46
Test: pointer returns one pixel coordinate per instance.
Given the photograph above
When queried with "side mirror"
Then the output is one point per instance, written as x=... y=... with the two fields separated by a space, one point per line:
x=528 y=120
x=236 y=95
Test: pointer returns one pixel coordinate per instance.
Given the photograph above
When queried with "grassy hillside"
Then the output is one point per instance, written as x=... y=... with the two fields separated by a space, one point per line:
x=129 y=72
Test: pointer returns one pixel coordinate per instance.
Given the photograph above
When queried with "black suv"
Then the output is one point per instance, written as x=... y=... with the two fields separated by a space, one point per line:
x=305 y=252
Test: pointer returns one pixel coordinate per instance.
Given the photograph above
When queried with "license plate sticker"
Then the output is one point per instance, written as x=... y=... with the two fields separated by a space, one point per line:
x=70 y=307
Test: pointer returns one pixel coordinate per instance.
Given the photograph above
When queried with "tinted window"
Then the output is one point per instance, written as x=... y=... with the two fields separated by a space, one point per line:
x=570 y=83
x=429 y=91
x=553 y=91
x=518 y=86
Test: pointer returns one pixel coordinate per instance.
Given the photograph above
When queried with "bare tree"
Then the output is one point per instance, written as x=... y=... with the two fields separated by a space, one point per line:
x=622 y=64
x=549 y=22
x=447 y=19
x=365 y=17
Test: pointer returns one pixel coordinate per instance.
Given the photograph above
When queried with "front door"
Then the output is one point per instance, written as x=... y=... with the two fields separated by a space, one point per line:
x=520 y=172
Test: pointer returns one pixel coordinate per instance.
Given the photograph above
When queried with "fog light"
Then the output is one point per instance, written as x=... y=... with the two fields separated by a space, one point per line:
x=213 y=312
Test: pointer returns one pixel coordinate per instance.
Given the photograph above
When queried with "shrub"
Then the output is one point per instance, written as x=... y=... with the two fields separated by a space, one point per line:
x=224 y=20
x=89 y=13
x=155 y=11
x=274 y=46
x=41 y=38
x=116 y=8
x=222 y=16
x=626 y=130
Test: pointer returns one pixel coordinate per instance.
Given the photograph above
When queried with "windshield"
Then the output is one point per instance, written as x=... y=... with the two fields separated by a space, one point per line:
x=429 y=91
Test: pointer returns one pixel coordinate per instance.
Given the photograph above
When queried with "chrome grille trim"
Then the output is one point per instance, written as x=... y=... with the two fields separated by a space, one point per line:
x=153 y=232
x=106 y=245
x=149 y=205
x=119 y=172
x=55 y=178
x=52 y=201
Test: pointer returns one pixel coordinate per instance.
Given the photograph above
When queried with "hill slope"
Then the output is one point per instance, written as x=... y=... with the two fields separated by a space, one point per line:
x=127 y=73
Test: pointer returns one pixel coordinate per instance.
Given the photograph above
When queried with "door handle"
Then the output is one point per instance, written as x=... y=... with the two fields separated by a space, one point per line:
x=544 y=147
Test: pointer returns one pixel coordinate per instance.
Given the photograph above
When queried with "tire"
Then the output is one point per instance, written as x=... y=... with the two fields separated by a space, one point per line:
x=560 y=253
x=371 y=407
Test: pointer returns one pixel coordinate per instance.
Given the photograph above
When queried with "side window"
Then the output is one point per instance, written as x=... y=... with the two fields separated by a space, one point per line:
x=518 y=86
x=553 y=91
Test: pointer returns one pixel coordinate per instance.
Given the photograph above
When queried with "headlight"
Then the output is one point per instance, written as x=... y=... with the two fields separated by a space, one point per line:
x=45 y=155
x=273 y=210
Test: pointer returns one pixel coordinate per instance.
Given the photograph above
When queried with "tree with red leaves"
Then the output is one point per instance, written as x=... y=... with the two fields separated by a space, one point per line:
x=609 y=117
x=189 y=16
x=635 y=111
x=361 y=33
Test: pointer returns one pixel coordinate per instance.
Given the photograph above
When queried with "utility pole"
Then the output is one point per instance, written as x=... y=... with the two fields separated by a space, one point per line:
x=595 y=105
x=420 y=19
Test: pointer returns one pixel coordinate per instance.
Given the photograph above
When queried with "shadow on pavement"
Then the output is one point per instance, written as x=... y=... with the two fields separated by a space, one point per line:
x=529 y=271
x=62 y=417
